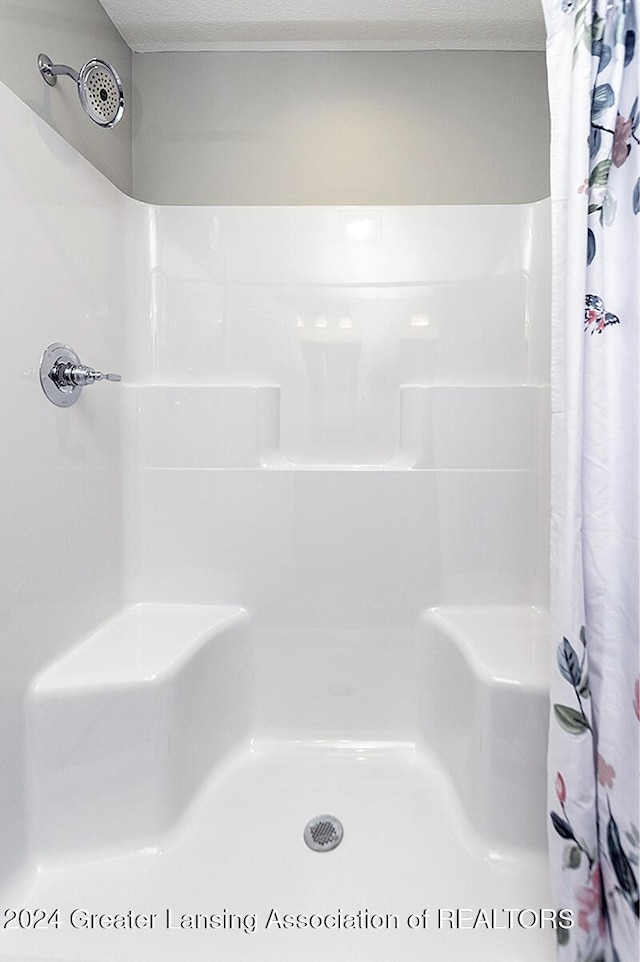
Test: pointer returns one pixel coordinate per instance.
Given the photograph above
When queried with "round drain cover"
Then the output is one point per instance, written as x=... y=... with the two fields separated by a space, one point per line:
x=323 y=833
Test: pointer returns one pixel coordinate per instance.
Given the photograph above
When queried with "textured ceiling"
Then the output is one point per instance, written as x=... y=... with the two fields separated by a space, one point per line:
x=149 y=25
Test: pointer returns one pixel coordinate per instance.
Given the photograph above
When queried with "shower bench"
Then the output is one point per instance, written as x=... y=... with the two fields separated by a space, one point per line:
x=484 y=679
x=124 y=727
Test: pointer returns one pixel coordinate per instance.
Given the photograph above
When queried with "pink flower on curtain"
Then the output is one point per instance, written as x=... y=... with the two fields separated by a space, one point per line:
x=606 y=773
x=589 y=898
x=636 y=698
x=622 y=133
x=561 y=789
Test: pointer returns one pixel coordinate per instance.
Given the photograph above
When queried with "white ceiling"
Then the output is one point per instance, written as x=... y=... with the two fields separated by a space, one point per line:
x=151 y=25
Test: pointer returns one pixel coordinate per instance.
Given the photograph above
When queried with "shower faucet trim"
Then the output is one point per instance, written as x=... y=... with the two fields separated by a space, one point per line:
x=62 y=375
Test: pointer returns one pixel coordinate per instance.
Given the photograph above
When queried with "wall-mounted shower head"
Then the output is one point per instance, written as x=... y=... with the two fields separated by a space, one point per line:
x=99 y=88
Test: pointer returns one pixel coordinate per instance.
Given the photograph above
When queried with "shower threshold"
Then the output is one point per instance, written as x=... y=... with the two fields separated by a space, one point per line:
x=234 y=880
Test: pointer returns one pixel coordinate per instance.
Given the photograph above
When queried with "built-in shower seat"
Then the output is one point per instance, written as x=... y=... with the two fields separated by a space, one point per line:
x=124 y=727
x=484 y=681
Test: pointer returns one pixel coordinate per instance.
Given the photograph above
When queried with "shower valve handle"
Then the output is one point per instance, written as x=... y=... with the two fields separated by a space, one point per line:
x=65 y=374
x=62 y=375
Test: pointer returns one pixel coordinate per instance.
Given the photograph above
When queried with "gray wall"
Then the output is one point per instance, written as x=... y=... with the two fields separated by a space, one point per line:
x=428 y=127
x=425 y=127
x=71 y=32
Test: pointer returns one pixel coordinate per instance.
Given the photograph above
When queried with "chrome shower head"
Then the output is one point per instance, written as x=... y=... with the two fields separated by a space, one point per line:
x=99 y=88
x=101 y=93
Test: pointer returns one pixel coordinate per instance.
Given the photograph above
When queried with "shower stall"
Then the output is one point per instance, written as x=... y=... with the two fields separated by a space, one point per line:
x=292 y=569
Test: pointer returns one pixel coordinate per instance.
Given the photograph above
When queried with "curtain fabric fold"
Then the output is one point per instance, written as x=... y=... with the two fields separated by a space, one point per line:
x=594 y=88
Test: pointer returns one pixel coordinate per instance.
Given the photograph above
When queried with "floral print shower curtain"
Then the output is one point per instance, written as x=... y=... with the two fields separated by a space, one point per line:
x=594 y=85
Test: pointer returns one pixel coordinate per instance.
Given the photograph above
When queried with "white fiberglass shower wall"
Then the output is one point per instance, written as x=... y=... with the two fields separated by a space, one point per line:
x=295 y=564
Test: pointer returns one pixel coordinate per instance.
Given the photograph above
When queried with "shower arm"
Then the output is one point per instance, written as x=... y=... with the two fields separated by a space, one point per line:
x=51 y=71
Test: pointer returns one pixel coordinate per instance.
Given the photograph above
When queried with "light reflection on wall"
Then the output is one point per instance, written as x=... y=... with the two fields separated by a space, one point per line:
x=340 y=307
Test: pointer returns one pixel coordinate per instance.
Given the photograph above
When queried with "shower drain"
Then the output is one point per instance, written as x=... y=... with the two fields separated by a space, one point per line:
x=323 y=833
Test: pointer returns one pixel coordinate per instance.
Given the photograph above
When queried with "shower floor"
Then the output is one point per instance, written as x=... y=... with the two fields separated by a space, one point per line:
x=239 y=851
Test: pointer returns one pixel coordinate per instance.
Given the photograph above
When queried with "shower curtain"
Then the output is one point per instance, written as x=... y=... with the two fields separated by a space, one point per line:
x=594 y=86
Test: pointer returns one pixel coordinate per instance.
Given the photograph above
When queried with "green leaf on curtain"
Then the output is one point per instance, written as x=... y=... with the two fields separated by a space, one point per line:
x=636 y=197
x=582 y=31
x=591 y=246
x=603 y=98
x=609 y=206
x=629 y=47
x=570 y=720
x=569 y=663
x=597 y=27
x=583 y=689
x=561 y=825
x=587 y=35
x=600 y=174
x=572 y=856
x=621 y=864
x=595 y=140
x=593 y=208
x=603 y=52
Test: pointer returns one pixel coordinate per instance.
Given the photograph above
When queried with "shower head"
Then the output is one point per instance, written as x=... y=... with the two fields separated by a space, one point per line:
x=101 y=93
x=99 y=88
